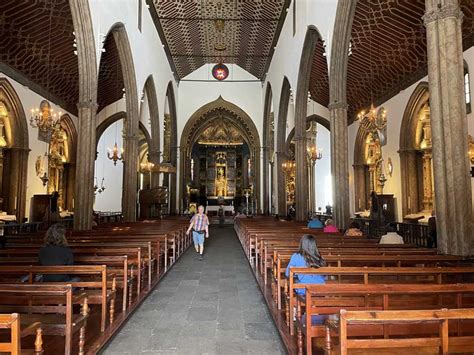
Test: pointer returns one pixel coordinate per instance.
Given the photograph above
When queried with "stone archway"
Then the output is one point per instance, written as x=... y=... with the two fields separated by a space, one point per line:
x=301 y=105
x=268 y=149
x=204 y=118
x=281 y=155
x=414 y=175
x=170 y=146
x=87 y=108
x=14 y=156
x=129 y=200
x=154 y=144
x=338 y=110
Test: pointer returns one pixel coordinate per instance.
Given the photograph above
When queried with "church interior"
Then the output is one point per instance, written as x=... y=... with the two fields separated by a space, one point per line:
x=317 y=154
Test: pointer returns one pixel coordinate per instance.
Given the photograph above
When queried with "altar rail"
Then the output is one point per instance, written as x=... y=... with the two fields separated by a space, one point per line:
x=412 y=233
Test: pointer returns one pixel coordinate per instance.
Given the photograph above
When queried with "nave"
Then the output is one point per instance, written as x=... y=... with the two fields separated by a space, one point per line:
x=213 y=306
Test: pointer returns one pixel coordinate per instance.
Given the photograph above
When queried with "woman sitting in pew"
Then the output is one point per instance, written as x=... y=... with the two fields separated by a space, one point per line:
x=329 y=227
x=307 y=256
x=353 y=230
x=56 y=253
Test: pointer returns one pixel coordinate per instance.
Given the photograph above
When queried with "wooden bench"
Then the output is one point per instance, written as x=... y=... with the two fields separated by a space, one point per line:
x=98 y=285
x=50 y=305
x=438 y=336
x=12 y=323
x=324 y=300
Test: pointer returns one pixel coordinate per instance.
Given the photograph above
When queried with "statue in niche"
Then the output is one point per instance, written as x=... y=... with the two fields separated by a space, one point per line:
x=221 y=184
x=57 y=159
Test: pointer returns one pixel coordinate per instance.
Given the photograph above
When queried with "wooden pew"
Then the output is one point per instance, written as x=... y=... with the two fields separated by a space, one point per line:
x=375 y=275
x=12 y=322
x=437 y=337
x=325 y=300
x=52 y=306
x=98 y=286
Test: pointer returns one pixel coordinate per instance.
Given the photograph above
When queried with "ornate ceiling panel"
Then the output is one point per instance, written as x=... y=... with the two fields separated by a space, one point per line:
x=193 y=36
x=389 y=49
x=319 y=79
x=25 y=39
x=110 y=75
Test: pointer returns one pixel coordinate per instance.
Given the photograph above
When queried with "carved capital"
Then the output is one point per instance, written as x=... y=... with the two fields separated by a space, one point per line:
x=130 y=137
x=445 y=11
x=338 y=105
x=87 y=104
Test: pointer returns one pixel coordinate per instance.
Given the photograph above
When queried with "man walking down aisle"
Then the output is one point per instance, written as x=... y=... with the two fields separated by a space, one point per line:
x=200 y=227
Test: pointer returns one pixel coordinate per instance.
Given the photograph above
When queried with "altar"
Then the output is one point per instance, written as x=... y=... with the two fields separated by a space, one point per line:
x=228 y=210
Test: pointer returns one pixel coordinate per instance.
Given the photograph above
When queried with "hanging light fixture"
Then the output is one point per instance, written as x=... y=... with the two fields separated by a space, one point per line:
x=43 y=117
x=113 y=154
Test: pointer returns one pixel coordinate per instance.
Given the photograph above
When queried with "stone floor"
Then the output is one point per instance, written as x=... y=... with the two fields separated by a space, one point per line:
x=212 y=306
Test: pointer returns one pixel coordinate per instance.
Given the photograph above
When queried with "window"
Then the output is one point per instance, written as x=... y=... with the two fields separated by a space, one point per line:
x=467 y=89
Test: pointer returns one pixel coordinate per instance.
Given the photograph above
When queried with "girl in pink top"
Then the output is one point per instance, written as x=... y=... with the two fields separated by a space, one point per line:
x=330 y=227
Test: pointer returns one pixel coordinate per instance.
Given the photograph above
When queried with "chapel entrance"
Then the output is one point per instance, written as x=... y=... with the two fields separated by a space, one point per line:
x=220 y=152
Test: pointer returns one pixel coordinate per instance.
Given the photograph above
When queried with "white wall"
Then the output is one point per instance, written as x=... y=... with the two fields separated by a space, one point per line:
x=29 y=100
x=111 y=199
x=147 y=49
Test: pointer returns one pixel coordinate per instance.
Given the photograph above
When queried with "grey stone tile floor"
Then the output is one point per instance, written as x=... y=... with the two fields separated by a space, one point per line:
x=213 y=306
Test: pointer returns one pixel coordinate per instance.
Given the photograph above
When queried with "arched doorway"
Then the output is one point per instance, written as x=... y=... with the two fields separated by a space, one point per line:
x=415 y=154
x=13 y=152
x=220 y=151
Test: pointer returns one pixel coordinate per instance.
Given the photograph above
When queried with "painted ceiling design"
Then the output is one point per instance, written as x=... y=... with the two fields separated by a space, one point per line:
x=197 y=32
x=27 y=47
x=222 y=132
x=389 y=49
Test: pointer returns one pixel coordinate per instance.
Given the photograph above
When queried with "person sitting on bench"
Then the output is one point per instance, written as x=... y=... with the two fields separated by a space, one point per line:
x=315 y=223
x=307 y=256
x=56 y=252
x=330 y=227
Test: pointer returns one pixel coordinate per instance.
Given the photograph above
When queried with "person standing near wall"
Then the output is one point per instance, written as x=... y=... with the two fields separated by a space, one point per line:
x=200 y=227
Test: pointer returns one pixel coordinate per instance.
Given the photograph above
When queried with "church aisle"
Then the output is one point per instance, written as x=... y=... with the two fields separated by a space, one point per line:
x=212 y=306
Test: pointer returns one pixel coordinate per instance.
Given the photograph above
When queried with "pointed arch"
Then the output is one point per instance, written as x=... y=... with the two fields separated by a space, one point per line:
x=67 y=124
x=173 y=146
x=202 y=119
x=281 y=143
x=408 y=149
x=268 y=141
x=150 y=90
x=15 y=156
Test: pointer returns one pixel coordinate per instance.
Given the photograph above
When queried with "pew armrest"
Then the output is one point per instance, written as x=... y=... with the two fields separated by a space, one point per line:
x=31 y=329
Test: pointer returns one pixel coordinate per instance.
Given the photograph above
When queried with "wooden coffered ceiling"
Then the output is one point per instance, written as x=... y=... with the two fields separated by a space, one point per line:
x=24 y=43
x=192 y=38
x=389 y=49
x=110 y=84
x=319 y=78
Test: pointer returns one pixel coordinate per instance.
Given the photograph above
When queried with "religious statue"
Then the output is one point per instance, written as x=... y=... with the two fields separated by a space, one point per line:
x=221 y=184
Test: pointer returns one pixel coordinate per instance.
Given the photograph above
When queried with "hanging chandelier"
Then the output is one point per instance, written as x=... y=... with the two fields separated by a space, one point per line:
x=288 y=166
x=44 y=118
x=113 y=154
x=374 y=119
x=314 y=153
x=97 y=188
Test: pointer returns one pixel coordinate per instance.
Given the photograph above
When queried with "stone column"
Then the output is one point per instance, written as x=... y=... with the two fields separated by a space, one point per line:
x=265 y=187
x=86 y=145
x=245 y=170
x=339 y=163
x=451 y=166
x=281 y=183
x=130 y=178
x=154 y=157
x=301 y=181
